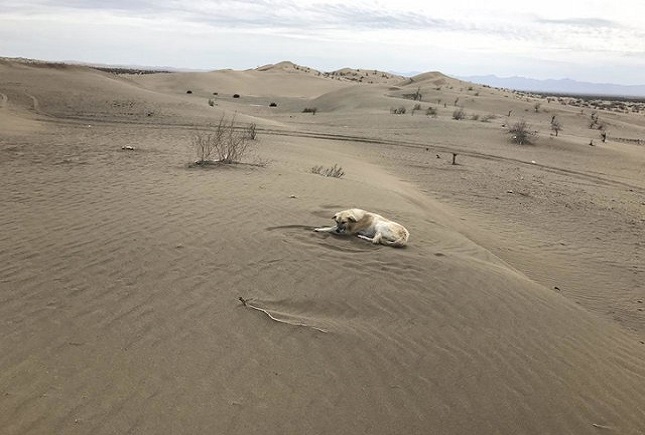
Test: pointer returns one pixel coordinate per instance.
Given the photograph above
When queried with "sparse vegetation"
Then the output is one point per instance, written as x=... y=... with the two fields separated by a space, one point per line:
x=595 y=122
x=459 y=114
x=272 y=104
x=416 y=96
x=227 y=144
x=556 y=126
x=236 y=95
x=251 y=131
x=431 y=111
x=311 y=110
x=521 y=133
x=487 y=118
x=398 y=110
x=211 y=102
x=334 y=171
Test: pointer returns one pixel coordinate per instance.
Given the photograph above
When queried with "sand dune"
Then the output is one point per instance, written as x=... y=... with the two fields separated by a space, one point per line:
x=121 y=271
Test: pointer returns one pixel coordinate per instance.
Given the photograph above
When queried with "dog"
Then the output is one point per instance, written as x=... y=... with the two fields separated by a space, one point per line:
x=368 y=226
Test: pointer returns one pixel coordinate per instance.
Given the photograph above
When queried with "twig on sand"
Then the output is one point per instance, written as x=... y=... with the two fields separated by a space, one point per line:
x=246 y=303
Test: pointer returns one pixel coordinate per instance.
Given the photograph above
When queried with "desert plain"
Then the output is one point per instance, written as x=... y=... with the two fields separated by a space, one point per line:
x=143 y=294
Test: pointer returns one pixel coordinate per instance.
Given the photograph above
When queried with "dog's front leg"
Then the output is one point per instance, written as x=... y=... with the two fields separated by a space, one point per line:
x=326 y=230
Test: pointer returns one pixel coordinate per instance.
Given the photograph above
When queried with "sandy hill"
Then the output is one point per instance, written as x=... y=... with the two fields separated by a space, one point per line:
x=366 y=76
x=289 y=67
x=142 y=295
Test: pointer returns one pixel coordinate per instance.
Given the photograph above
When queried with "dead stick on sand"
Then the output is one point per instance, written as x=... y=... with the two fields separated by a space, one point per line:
x=246 y=303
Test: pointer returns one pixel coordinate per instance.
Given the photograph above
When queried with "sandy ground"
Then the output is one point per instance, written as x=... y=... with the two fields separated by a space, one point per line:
x=517 y=308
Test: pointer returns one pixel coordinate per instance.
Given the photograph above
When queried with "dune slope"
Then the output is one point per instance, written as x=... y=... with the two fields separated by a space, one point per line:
x=121 y=275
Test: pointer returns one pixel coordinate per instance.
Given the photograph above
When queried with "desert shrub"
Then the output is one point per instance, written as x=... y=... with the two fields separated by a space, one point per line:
x=334 y=171
x=416 y=107
x=556 y=126
x=459 y=114
x=251 y=132
x=273 y=104
x=227 y=143
x=311 y=110
x=236 y=95
x=431 y=111
x=417 y=96
x=487 y=118
x=474 y=117
x=189 y=92
x=398 y=110
x=211 y=102
x=521 y=133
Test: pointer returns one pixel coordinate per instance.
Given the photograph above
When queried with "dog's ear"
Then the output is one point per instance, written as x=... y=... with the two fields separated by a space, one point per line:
x=351 y=218
x=335 y=216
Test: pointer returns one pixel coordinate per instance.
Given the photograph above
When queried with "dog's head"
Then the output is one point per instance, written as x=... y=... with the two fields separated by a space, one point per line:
x=345 y=220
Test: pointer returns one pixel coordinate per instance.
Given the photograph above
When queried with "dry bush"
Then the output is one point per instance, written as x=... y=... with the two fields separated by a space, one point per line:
x=398 y=110
x=431 y=111
x=521 y=133
x=228 y=143
x=459 y=114
x=487 y=118
x=334 y=171
x=311 y=110
x=251 y=131
x=556 y=126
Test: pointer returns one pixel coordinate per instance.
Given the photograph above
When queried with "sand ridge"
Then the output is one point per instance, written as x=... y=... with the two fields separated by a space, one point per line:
x=121 y=271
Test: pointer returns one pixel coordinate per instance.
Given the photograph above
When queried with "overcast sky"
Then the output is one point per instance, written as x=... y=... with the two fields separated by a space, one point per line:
x=589 y=40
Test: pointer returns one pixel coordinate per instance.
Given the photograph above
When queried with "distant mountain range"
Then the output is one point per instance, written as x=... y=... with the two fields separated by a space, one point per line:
x=562 y=86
